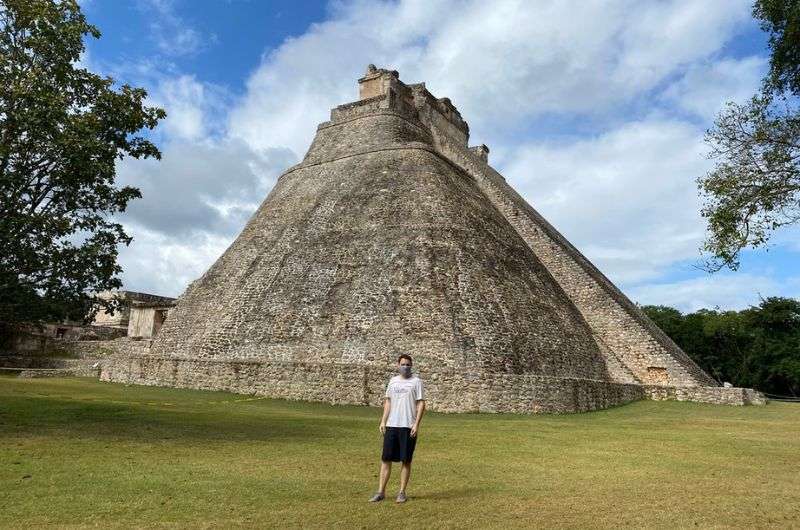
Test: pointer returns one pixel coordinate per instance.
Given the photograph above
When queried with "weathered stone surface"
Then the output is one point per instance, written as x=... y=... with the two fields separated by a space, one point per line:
x=707 y=394
x=364 y=257
x=393 y=236
x=51 y=366
x=121 y=317
x=447 y=390
x=146 y=318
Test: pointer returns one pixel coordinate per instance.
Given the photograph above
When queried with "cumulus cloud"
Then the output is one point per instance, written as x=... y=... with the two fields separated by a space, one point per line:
x=194 y=108
x=503 y=63
x=162 y=264
x=705 y=87
x=626 y=198
x=646 y=76
x=172 y=34
x=207 y=188
x=199 y=195
x=727 y=291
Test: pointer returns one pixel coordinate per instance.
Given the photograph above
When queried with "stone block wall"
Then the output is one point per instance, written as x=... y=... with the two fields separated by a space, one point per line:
x=122 y=315
x=359 y=256
x=716 y=395
x=146 y=321
x=50 y=366
x=388 y=158
x=447 y=390
x=636 y=350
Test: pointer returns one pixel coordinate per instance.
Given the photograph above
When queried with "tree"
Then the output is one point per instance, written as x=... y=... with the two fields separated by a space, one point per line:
x=62 y=130
x=775 y=326
x=758 y=347
x=754 y=187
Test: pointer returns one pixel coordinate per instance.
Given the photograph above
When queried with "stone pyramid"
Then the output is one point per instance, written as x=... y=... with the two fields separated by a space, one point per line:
x=393 y=236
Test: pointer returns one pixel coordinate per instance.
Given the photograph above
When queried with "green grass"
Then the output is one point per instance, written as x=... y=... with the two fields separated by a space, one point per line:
x=79 y=453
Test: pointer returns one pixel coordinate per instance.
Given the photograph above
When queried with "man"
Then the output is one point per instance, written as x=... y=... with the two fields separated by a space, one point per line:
x=403 y=407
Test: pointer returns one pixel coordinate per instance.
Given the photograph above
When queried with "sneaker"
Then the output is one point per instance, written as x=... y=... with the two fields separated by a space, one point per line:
x=377 y=497
x=401 y=497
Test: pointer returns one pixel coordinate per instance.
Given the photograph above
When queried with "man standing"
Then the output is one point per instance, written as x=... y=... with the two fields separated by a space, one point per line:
x=403 y=407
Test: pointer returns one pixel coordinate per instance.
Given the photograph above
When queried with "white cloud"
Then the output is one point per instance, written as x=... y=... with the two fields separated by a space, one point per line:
x=199 y=195
x=503 y=63
x=657 y=38
x=705 y=87
x=201 y=187
x=172 y=34
x=627 y=198
x=727 y=291
x=162 y=264
x=194 y=108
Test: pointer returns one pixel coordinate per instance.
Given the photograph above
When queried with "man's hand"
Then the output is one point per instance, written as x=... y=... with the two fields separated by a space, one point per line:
x=414 y=429
x=382 y=428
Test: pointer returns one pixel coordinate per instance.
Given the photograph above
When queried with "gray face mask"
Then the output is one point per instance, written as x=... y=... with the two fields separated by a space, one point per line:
x=405 y=371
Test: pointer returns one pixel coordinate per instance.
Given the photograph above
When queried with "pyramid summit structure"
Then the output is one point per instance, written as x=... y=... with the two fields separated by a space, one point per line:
x=394 y=236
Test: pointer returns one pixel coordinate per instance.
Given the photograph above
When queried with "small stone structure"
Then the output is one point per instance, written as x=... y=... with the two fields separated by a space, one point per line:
x=130 y=302
x=394 y=236
x=73 y=348
x=146 y=318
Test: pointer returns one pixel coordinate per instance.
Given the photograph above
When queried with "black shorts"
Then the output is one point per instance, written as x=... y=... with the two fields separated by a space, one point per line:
x=398 y=444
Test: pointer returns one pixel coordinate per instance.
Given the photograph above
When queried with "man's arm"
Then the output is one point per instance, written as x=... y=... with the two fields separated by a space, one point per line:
x=420 y=412
x=386 y=408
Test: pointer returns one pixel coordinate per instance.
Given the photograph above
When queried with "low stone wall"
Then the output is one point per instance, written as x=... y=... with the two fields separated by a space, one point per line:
x=84 y=367
x=101 y=348
x=447 y=391
x=716 y=395
x=38 y=373
x=80 y=358
x=129 y=361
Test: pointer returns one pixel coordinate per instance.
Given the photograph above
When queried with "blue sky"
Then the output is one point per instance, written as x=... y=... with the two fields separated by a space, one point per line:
x=594 y=113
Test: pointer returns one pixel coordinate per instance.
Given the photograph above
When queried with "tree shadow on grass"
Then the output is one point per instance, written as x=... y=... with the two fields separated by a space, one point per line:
x=133 y=421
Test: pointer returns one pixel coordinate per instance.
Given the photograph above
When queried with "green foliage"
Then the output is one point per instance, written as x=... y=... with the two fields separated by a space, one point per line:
x=781 y=20
x=758 y=347
x=62 y=130
x=754 y=187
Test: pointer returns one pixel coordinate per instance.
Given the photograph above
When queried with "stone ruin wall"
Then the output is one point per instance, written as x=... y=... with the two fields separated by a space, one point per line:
x=447 y=390
x=480 y=332
x=636 y=350
x=644 y=362
x=121 y=317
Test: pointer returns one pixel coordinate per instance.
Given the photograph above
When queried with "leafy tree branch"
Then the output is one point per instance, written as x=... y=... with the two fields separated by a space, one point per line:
x=62 y=131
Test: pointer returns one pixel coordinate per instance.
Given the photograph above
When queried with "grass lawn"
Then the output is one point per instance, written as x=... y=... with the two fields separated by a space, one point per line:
x=79 y=453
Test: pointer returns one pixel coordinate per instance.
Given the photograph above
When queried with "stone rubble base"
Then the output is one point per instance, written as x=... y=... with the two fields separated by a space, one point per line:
x=27 y=366
x=446 y=390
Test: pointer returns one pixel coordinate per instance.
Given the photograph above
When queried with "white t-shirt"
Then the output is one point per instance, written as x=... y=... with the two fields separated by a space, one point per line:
x=403 y=395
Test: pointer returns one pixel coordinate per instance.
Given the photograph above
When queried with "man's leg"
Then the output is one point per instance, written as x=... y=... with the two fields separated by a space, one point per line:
x=386 y=470
x=405 y=472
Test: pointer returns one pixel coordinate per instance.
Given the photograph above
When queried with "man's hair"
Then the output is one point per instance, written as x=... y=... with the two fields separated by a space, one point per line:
x=405 y=356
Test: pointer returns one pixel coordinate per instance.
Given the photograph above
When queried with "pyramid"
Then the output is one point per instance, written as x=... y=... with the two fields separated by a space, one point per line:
x=393 y=236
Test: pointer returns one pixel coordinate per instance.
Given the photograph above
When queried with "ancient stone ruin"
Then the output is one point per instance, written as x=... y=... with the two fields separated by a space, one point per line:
x=140 y=315
x=394 y=236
